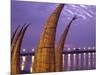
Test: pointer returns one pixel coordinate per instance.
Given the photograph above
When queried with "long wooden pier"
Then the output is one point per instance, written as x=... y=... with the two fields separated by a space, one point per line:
x=73 y=59
x=77 y=51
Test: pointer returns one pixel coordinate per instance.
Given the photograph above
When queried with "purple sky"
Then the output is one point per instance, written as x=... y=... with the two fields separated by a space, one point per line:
x=82 y=32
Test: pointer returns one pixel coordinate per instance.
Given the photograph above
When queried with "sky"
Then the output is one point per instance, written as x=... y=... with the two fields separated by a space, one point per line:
x=82 y=31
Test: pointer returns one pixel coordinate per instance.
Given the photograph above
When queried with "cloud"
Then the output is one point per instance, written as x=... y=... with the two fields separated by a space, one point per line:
x=82 y=16
x=89 y=15
x=83 y=6
x=73 y=5
x=70 y=11
x=92 y=12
